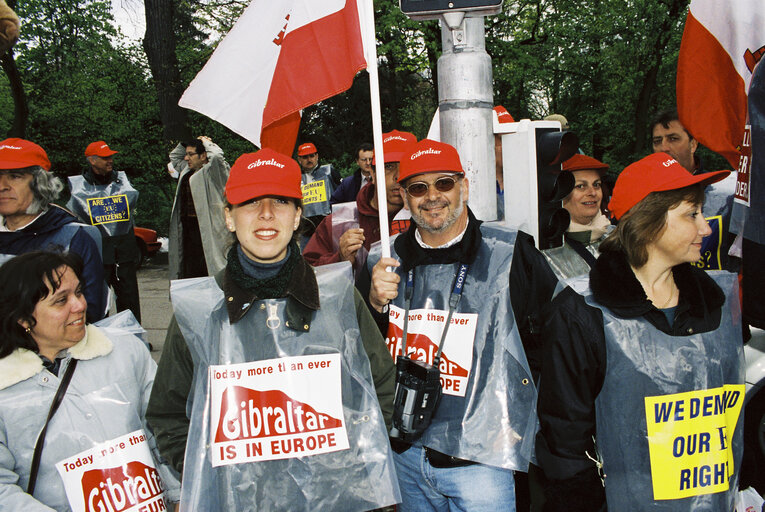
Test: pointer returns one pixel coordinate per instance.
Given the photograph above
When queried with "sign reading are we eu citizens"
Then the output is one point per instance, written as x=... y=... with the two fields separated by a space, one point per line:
x=104 y=210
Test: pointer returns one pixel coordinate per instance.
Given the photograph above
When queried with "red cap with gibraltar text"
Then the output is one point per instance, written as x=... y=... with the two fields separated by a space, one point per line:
x=263 y=173
x=396 y=144
x=307 y=149
x=20 y=153
x=99 y=148
x=429 y=156
x=657 y=172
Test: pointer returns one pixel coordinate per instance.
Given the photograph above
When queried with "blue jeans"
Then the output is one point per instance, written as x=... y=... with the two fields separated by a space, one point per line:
x=472 y=488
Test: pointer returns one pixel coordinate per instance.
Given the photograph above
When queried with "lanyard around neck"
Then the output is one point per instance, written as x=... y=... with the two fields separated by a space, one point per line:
x=454 y=300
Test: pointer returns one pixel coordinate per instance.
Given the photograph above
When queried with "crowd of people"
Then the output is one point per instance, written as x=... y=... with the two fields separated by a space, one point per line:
x=306 y=367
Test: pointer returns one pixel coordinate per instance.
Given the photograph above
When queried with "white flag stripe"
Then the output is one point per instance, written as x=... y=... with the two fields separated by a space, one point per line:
x=748 y=18
x=233 y=86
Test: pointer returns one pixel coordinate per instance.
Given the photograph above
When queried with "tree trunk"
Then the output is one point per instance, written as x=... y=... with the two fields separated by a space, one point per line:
x=159 y=45
x=20 y=108
x=650 y=77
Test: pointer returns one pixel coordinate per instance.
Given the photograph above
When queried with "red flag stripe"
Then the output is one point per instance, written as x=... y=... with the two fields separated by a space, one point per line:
x=711 y=95
x=316 y=62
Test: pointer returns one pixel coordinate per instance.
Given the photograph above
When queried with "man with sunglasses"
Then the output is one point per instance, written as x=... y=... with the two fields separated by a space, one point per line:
x=347 y=233
x=198 y=235
x=468 y=292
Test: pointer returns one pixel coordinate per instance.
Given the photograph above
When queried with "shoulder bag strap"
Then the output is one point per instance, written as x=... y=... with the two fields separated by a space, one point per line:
x=41 y=438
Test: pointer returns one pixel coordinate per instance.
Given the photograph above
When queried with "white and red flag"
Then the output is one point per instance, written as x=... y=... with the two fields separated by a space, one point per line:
x=722 y=41
x=280 y=57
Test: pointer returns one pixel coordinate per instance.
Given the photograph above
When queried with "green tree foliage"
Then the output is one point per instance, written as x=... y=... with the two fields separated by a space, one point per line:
x=84 y=82
x=607 y=65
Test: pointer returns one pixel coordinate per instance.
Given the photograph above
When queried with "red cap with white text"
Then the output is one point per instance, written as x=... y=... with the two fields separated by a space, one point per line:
x=396 y=144
x=307 y=149
x=99 y=148
x=503 y=116
x=20 y=153
x=429 y=156
x=263 y=173
x=657 y=172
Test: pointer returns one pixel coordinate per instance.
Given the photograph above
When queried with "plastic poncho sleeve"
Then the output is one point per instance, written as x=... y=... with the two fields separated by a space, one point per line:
x=532 y=284
x=146 y=371
x=383 y=369
x=92 y=273
x=166 y=412
x=12 y=497
x=177 y=156
x=572 y=376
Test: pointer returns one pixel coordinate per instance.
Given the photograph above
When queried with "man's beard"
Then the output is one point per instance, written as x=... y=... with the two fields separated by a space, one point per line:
x=448 y=222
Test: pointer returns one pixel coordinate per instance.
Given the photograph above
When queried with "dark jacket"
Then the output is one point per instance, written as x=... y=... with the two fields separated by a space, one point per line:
x=115 y=249
x=38 y=237
x=574 y=367
x=166 y=413
x=531 y=281
x=348 y=188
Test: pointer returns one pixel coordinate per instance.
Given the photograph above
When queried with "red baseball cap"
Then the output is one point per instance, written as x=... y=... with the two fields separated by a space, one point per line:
x=263 y=173
x=307 y=149
x=20 y=153
x=396 y=144
x=580 y=162
x=657 y=172
x=429 y=156
x=503 y=116
x=99 y=148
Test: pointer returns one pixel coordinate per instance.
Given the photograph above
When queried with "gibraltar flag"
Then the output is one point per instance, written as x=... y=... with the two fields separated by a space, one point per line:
x=281 y=56
x=723 y=39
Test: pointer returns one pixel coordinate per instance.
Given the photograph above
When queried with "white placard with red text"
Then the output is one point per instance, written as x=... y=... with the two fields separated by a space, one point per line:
x=276 y=409
x=115 y=476
x=423 y=335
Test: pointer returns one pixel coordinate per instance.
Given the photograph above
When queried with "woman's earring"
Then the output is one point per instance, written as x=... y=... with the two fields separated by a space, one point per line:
x=28 y=330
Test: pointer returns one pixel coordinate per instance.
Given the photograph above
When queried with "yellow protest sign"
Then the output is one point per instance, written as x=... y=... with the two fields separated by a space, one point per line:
x=314 y=192
x=689 y=440
x=104 y=210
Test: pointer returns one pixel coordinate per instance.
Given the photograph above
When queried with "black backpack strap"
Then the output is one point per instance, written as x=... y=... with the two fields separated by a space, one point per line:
x=41 y=438
x=581 y=250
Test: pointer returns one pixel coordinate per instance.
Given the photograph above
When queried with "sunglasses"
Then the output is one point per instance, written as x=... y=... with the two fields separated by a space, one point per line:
x=420 y=188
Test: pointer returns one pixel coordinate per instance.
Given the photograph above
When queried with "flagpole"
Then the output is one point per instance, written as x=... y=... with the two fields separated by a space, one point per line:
x=367 y=21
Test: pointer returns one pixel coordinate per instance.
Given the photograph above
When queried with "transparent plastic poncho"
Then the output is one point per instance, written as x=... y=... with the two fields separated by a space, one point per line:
x=359 y=478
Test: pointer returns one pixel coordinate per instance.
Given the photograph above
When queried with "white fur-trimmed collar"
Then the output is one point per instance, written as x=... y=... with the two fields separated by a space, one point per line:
x=22 y=364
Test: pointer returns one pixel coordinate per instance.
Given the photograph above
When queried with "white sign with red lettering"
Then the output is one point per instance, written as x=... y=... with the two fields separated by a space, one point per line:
x=276 y=409
x=115 y=476
x=423 y=335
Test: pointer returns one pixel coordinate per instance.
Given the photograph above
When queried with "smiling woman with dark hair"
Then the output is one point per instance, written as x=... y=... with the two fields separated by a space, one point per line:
x=67 y=389
x=632 y=347
x=588 y=226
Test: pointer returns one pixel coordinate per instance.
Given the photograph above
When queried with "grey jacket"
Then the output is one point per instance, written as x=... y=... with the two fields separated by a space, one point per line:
x=108 y=394
x=208 y=187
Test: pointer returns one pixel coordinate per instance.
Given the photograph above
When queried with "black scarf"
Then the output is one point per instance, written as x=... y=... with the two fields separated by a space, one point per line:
x=269 y=288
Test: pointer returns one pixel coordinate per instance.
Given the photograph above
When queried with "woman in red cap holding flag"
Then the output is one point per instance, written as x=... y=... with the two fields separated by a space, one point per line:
x=642 y=383
x=264 y=398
